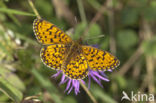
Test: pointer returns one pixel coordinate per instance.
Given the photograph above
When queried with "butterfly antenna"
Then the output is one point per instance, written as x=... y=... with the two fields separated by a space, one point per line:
x=72 y=30
x=76 y=20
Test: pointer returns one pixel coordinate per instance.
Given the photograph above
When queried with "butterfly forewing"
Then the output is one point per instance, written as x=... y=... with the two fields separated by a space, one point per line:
x=98 y=59
x=48 y=33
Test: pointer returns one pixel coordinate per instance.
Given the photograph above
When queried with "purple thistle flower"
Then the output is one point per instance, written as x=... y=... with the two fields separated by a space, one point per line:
x=97 y=76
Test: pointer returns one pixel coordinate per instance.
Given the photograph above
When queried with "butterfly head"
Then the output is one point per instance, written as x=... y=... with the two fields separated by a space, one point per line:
x=79 y=41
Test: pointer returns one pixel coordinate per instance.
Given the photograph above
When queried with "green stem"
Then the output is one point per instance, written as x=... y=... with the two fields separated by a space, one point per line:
x=88 y=92
x=82 y=12
x=34 y=9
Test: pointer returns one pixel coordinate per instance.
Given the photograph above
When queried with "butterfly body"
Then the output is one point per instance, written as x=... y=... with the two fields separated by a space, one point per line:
x=73 y=49
x=60 y=52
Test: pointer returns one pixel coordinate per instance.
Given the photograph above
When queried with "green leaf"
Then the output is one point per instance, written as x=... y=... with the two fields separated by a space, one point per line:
x=17 y=12
x=105 y=43
x=45 y=83
x=93 y=32
x=8 y=89
x=12 y=78
x=127 y=38
x=79 y=30
x=45 y=8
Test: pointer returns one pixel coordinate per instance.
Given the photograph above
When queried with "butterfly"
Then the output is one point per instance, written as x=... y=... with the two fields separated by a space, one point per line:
x=60 y=52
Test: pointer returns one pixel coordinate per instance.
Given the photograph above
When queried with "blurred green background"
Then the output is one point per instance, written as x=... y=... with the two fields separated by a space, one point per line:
x=129 y=29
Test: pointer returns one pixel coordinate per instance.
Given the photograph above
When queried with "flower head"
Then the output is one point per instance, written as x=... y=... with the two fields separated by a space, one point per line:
x=73 y=84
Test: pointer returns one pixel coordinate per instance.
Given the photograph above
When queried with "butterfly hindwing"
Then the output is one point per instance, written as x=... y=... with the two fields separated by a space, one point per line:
x=77 y=68
x=53 y=55
x=48 y=33
x=98 y=59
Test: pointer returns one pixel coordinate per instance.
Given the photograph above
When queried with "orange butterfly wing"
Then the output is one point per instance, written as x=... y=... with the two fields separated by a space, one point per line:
x=98 y=59
x=53 y=55
x=48 y=33
x=77 y=68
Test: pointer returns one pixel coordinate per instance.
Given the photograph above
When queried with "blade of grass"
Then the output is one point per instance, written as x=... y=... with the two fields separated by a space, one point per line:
x=11 y=77
x=23 y=37
x=14 y=19
x=100 y=94
x=82 y=11
x=10 y=90
x=17 y=12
